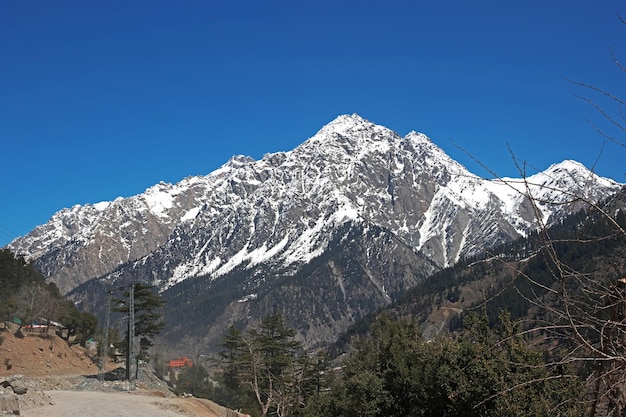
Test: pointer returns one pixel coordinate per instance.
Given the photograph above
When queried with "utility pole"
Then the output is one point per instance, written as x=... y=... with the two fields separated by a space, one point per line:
x=105 y=338
x=130 y=351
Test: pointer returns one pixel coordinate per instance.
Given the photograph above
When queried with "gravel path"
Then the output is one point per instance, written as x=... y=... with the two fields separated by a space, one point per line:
x=118 y=404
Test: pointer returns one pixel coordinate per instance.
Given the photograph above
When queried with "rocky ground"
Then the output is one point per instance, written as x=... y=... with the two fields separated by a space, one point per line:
x=53 y=379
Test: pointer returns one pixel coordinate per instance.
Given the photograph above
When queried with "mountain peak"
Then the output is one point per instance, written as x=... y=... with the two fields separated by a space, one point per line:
x=418 y=137
x=346 y=123
x=567 y=165
x=573 y=170
x=353 y=118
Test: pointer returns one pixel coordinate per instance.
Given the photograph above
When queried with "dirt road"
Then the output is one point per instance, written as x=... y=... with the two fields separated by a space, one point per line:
x=121 y=404
x=54 y=371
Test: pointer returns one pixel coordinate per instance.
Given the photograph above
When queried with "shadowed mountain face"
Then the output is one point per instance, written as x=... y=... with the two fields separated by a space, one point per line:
x=327 y=232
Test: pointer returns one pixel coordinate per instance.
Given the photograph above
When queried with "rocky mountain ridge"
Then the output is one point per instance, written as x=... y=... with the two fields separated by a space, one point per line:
x=254 y=225
x=351 y=170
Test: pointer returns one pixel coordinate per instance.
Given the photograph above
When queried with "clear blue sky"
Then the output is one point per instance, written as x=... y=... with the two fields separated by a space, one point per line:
x=100 y=99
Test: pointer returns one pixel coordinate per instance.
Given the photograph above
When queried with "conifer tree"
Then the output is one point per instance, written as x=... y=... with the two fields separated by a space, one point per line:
x=148 y=318
x=270 y=366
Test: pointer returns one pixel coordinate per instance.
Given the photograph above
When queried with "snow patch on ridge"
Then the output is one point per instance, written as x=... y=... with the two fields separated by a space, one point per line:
x=101 y=206
x=190 y=215
x=159 y=199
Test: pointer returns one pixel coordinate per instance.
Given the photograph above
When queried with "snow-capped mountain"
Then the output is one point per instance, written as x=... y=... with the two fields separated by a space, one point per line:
x=84 y=242
x=400 y=205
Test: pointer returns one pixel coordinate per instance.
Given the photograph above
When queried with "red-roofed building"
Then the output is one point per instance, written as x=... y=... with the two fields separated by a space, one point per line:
x=180 y=362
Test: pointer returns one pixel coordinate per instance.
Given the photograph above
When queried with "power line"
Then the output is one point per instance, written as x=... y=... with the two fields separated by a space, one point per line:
x=7 y=234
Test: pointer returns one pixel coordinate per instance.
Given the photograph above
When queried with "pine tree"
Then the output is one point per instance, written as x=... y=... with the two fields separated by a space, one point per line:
x=269 y=364
x=148 y=319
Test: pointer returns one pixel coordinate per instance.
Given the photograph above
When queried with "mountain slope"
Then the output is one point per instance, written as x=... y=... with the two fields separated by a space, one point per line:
x=283 y=207
x=590 y=246
x=252 y=226
x=84 y=242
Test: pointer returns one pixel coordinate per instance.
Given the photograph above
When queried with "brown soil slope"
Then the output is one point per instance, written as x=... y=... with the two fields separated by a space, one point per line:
x=37 y=355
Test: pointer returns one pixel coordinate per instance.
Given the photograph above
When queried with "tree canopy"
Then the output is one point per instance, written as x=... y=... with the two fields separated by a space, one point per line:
x=148 y=318
x=266 y=371
x=394 y=372
x=26 y=296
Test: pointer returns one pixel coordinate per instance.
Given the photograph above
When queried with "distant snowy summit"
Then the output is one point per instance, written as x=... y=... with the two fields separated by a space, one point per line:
x=282 y=211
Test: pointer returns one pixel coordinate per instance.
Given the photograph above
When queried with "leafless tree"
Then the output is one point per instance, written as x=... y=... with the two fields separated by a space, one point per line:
x=581 y=310
x=32 y=302
x=192 y=347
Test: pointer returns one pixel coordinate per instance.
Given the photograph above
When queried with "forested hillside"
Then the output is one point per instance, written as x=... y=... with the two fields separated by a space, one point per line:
x=515 y=275
x=534 y=328
x=26 y=299
x=560 y=292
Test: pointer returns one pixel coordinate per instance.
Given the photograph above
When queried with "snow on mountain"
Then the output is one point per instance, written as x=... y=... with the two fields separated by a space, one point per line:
x=556 y=191
x=83 y=242
x=282 y=210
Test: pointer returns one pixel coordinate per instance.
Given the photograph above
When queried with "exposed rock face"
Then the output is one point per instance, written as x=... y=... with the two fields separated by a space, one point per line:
x=335 y=228
x=85 y=242
x=9 y=400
